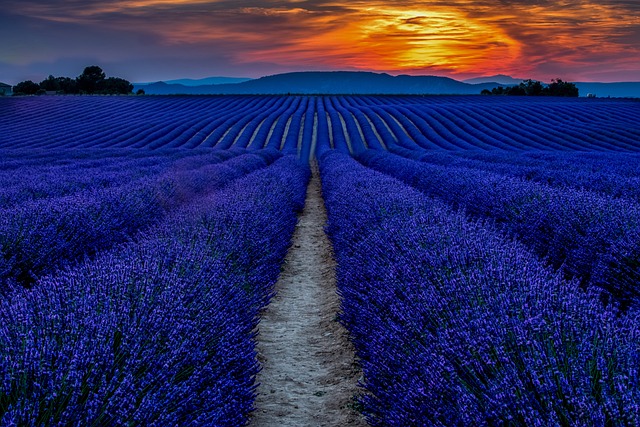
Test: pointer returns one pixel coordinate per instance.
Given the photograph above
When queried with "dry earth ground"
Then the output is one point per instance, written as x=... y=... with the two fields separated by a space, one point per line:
x=309 y=375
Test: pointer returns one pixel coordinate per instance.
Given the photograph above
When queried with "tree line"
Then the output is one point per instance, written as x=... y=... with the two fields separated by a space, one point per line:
x=92 y=81
x=557 y=87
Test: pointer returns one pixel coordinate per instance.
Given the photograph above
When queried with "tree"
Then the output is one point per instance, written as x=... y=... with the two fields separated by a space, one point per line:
x=114 y=86
x=26 y=88
x=68 y=85
x=560 y=88
x=520 y=90
x=140 y=92
x=50 y=84
x=94 y=80
x=532 y=87
x=535 y=88
x=59 y=84
x=90 y=79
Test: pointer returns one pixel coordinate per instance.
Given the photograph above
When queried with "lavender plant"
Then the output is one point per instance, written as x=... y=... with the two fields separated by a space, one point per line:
x=457 y=325
x=40 y=236
x=573 y=229
x=159 y=331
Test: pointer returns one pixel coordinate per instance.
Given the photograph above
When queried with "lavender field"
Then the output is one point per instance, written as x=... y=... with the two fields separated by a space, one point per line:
x=487 y=249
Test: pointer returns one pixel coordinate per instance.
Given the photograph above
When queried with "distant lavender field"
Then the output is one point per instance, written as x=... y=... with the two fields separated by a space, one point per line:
x=488 y=253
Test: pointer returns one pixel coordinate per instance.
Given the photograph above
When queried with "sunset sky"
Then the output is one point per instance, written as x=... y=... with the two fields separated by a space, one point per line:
x=150 y=40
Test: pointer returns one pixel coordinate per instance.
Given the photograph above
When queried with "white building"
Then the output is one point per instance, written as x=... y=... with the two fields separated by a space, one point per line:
x=5 y=89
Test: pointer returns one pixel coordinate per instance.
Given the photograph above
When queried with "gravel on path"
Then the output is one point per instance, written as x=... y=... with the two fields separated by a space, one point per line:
x=309 y=373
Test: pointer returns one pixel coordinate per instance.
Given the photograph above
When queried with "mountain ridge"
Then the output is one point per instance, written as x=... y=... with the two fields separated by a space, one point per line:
x=326 y=82
x=201 y=82
x=502 y=79
x=366 y=83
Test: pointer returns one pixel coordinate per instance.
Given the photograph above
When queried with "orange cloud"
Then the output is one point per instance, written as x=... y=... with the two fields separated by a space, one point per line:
x=454 y=37
x=398 y=38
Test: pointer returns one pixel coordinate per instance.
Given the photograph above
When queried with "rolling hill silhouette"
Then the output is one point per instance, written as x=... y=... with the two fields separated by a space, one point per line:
x=332 y=82
x=366 y=83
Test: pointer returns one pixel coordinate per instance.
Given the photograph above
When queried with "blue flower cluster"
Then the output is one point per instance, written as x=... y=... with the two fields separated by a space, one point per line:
x=592 y=236
x=457 y=325
x=40 y=235
x=25 y=176
x=521 y=124
x=616 y=174
x=442 y=122
x=292 y=138
x=160 y=331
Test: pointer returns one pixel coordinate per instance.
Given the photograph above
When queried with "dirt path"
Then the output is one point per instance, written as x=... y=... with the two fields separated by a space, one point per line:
x=309 y=377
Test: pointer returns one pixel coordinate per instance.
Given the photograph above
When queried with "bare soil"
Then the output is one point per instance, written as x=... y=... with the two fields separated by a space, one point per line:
x=309 y=375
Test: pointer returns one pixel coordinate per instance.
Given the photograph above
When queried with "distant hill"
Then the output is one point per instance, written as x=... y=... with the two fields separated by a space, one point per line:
x=332 y=82
x=498 y=78
x=603 y=90
x=614 y=90
x=353 y=82
x=5 y=89
x=201 y=82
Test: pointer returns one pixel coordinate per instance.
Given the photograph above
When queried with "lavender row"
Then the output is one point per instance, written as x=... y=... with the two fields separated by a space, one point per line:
x=369 y=134
x=356 y=142
x=621 y=164
x=98 y=120
x=511 y=125
x=12 y=159
x=39 y=236
x=42 y=181
x=222 y=122
x=458 y=123
x=568 y=169
x=278 y=133
x=237 y=132
x=456 y=325
x=591 y=236
x=91 y=176
x=294 y=132
x=528 y=125
x=605 y=180
x=305 y=145
x=136 y=123
x=265 y=123
x=337 y=135
x=159 y=332
x=160 y=129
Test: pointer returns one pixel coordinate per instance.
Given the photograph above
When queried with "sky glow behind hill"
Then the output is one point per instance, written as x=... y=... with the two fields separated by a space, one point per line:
x=148 y=40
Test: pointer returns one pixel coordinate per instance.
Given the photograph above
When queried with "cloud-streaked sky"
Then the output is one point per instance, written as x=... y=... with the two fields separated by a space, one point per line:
x=149 y=40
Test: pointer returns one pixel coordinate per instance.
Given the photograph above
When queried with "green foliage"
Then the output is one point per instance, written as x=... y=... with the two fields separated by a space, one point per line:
x=26 y=88
x=560 y=88
x=92 y=81
x=530 y=87
x=114 y=85
x=68 y=85
x=50 y=84
x=60 y=85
